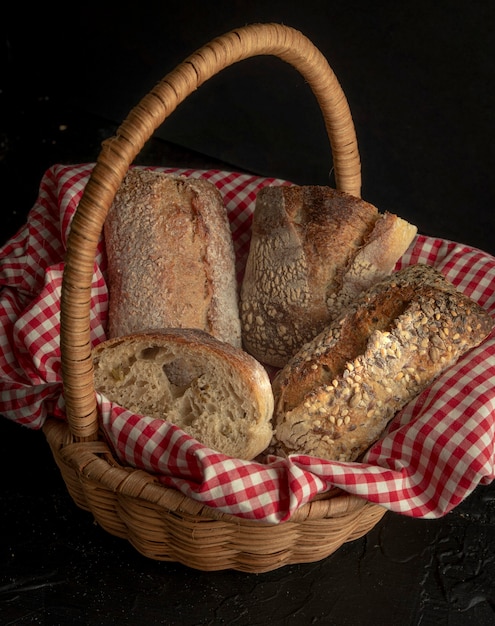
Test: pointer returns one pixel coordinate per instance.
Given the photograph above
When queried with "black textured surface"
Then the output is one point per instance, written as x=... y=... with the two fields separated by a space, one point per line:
x=420 y=81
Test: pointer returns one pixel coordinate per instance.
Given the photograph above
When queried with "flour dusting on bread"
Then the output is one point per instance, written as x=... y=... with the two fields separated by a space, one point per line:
x=170 y=257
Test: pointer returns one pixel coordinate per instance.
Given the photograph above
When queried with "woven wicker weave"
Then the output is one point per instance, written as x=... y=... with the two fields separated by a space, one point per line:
x=159 y=522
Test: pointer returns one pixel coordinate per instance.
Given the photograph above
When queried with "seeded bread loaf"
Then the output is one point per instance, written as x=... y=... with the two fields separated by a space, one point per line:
x=338 y=393
x=313 y=250
x=170 y=257
x=215 y=392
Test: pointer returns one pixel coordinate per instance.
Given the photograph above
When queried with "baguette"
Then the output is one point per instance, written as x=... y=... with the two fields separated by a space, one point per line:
x=313 y=250
x=338 y=393
x=215 y=392
x=170 y=257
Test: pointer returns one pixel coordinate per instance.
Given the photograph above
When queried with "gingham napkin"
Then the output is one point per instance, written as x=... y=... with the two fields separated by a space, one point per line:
x=435 y=452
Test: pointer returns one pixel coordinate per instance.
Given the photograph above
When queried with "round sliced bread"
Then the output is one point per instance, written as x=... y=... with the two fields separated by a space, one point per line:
x=215 y=392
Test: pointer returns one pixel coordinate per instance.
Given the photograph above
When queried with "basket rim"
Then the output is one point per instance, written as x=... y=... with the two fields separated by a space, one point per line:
x=95 y=460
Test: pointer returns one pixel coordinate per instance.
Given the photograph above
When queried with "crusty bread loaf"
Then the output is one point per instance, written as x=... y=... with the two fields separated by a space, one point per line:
x=170 y=257
x=215 y=392
x=313 y=250
x=338 y=393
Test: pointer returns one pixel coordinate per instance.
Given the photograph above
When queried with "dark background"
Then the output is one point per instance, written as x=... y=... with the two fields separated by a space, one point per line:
x=419 y=78
x=418 y=75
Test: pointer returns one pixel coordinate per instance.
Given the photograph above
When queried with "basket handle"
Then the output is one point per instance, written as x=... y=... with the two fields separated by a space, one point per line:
x=118 y=153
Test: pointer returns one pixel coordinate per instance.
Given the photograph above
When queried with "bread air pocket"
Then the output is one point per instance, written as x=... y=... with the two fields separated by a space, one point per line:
x=215 y=392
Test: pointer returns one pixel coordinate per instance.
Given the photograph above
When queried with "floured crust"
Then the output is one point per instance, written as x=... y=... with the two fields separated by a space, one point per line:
x=212 y=390
x=171 y=258
x=387 y=242
x=313 y=250
x=338 y=393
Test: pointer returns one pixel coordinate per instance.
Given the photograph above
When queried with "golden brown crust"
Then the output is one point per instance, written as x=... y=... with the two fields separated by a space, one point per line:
x=313 y=249
x=170 y=257
x=336 y=396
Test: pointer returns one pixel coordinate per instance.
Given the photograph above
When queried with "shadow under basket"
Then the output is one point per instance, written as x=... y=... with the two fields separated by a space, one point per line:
x=160 y=522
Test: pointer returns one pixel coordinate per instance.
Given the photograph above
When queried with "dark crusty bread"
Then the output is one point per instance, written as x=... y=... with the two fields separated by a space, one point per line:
x=338 y=393
x=170 y=257
x=313 y=250
x=215 y=392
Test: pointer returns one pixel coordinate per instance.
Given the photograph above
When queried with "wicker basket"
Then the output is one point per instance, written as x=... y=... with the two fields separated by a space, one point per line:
x=160 y=522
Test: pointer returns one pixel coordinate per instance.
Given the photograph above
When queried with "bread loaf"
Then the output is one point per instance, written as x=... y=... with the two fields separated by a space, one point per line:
x=338 y=393
x=313 y=250
x=215 y=392
x=170 y=257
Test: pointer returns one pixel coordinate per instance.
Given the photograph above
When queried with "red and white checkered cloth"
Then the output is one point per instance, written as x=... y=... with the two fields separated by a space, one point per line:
x=436 y=451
